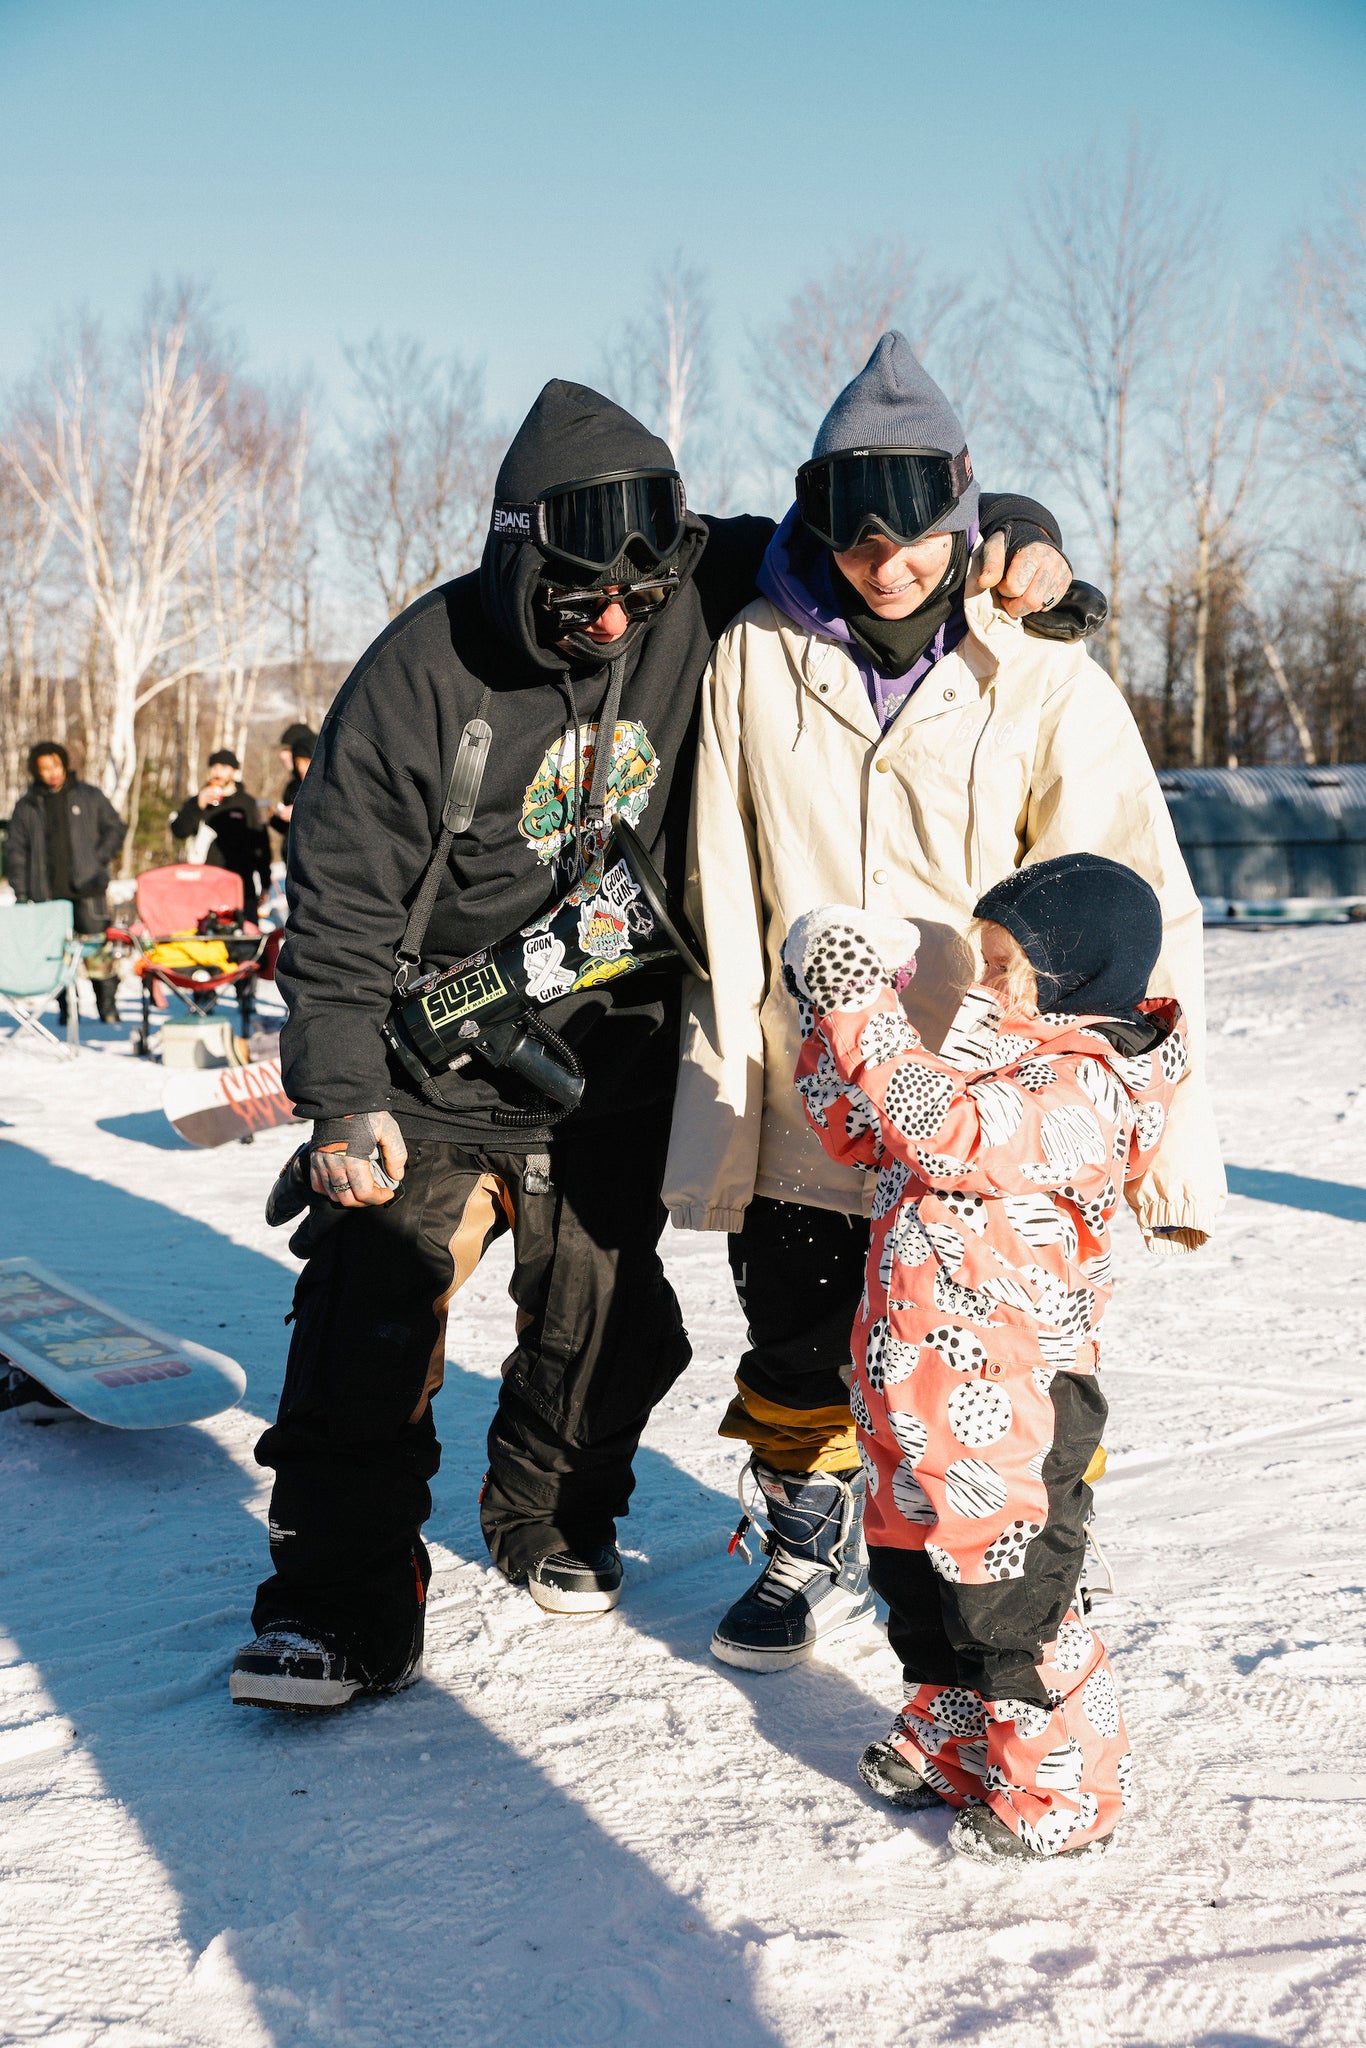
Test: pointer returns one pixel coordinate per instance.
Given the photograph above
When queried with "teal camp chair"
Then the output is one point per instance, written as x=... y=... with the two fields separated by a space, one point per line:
x=39 y=958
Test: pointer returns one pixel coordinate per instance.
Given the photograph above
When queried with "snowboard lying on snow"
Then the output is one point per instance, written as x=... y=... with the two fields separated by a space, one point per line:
x=210 y=1105
x=108 y=1366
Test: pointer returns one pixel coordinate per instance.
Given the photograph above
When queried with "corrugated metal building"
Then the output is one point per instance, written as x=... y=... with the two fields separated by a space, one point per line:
x=1266 y=835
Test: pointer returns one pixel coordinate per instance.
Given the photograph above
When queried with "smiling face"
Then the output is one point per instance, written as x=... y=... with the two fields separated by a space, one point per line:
x=894 y=581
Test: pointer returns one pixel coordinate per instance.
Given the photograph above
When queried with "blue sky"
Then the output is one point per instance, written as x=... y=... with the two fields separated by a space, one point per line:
x=504 y=178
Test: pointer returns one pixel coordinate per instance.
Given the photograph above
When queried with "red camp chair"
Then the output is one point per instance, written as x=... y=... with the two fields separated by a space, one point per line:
x=192 y=940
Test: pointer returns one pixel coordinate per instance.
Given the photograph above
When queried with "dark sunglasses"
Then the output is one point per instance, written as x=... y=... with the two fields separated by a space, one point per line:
x=586 y=607
x=899 y=492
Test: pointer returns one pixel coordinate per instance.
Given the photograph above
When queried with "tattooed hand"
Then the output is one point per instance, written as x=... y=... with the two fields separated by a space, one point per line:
x=1037 y=577
x=345 y=1153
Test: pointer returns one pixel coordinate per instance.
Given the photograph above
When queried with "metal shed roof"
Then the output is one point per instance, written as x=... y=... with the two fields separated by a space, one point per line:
x=1271 y=832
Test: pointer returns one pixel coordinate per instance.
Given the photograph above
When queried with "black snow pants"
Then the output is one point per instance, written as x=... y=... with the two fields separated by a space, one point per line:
x=600 y=1339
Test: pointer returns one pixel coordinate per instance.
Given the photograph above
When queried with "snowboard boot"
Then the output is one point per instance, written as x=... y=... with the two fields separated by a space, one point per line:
x=814 y=1586
x=308 y=1671
x=28 y=1400
x=884 y=1770
x=585 y=1580
x=978 y=1833
x=107 y=1000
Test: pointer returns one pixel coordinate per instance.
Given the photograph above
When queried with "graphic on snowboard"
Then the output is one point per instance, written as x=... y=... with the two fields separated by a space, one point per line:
x=109 y=1367
x=211 y=1105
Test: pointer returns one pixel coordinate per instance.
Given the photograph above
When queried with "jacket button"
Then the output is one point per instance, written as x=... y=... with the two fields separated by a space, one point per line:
x=883 y=767
x=825 y=689
x=879 y=875
x=993 y=1369
x=949 y=696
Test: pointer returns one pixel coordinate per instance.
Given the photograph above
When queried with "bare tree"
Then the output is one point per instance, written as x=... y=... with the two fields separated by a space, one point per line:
x=26 y=534
x=129 y=471
x=1114 y=255
x=240 y=597
x=410 y=492
x=1334 y=272
x=661 y=365
x=801 y=363
x=1230 y=398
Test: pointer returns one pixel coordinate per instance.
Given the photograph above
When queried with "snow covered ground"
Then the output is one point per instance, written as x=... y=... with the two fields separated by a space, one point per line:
x=588 y=1832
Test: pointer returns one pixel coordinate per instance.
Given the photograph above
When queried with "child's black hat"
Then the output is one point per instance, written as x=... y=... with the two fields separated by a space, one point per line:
x=1091 y=929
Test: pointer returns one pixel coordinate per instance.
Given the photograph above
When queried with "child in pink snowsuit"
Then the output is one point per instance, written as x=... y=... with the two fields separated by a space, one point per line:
x=1000 y=1162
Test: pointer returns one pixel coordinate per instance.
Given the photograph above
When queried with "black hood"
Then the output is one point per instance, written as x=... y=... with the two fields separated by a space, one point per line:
x=570 y=435
x=1090 y=928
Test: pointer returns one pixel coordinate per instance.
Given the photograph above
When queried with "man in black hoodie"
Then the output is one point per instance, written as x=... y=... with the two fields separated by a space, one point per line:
x=595 y=606
x=63 y=838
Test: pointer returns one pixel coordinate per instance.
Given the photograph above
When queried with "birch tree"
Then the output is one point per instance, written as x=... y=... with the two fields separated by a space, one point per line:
x=1232 y=393
x=411 y=489
x=246 y=554
x=128 y=470
x=804 y=360
x=661 y=366
x=1334 y=272
x=1114 y=256
x=27 y=529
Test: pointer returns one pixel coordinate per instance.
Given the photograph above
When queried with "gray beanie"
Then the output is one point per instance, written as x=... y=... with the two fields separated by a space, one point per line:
x=894 y=403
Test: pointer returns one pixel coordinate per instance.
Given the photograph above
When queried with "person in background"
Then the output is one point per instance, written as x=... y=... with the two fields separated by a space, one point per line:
x=62 y=841
x=296 y=751
x=223 y=823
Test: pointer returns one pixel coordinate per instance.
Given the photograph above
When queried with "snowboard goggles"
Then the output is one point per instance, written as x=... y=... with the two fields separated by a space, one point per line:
x=590 y=524
x=586 y=607
x=899 y=492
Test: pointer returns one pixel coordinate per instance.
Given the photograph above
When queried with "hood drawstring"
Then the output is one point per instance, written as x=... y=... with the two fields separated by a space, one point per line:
x=566 y=690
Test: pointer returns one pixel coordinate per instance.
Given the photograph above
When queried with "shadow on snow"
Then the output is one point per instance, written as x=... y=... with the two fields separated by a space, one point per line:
x=442 y=1886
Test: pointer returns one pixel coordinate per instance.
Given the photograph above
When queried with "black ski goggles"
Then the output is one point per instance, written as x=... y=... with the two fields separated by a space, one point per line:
x=586 y=607
x=592 y=524
x=899 y=492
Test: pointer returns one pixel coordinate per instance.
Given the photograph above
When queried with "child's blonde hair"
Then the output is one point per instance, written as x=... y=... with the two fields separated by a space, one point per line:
x=1015 y=981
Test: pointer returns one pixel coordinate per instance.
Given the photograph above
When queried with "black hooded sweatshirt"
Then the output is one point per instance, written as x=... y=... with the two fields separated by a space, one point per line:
x=369 y=812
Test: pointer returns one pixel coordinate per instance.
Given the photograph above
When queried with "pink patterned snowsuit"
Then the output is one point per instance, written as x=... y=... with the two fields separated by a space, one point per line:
x=999 y=1166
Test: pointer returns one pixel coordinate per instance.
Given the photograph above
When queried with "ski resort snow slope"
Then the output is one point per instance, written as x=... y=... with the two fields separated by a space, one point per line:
x=588 y=1832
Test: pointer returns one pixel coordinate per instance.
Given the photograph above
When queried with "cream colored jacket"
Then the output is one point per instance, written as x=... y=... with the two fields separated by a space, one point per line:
x=1012 y=749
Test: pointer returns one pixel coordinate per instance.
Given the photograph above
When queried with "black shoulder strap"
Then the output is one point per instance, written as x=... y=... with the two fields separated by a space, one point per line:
x=606 y=741
x=457 y=815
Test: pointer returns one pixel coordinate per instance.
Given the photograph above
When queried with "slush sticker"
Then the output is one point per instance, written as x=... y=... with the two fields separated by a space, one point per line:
x=598 y=971
x=465 y=990
x=547 y=820
x=546 y=974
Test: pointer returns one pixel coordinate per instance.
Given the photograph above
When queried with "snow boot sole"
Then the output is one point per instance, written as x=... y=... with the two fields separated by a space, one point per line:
x=567 y=1585
x=981 y=1836
x=766 y=1657
x=884 y=1770
x=293 y=1673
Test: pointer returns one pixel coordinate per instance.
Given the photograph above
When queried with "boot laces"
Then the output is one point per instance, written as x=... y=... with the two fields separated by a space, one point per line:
x=786 y=1573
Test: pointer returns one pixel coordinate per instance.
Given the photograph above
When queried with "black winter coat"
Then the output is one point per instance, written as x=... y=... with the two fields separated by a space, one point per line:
x=239 y=839
x=96 y=831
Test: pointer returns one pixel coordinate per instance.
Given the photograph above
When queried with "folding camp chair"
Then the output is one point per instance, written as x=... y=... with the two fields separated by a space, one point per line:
x=40 y=956
x=191 y=940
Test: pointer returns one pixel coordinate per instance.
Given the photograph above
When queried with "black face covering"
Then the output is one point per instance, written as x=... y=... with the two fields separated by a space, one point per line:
x=897 y=644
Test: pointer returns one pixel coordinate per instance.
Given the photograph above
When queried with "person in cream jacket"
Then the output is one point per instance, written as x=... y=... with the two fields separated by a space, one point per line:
x=905 y=764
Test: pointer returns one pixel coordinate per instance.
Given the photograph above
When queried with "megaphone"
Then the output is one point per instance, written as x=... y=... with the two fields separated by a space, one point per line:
x=614 y=922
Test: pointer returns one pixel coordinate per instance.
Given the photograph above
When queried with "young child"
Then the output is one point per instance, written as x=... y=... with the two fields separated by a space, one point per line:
x=999 y=1165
